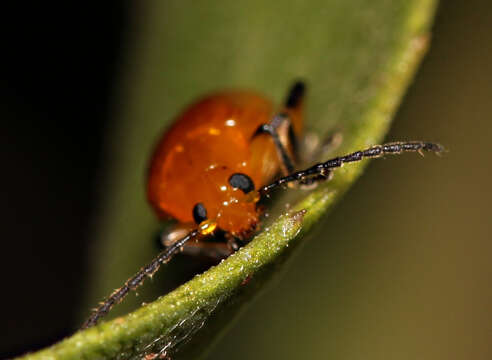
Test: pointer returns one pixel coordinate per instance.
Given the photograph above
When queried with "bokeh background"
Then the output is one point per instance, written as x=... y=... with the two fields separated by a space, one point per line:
x=410 y=278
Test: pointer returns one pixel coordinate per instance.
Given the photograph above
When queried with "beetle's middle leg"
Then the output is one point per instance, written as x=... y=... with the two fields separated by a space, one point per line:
x=281 y=133
x=213 y=250
x=280 y=130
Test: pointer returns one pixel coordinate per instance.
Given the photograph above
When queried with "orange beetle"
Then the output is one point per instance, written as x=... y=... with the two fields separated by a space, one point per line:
x=223 y=147
x=215 y=163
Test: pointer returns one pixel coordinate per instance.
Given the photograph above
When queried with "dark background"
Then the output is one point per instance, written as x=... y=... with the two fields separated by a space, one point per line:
x=61 y=69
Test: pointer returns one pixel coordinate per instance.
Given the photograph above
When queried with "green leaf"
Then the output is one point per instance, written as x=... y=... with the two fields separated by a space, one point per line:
x=357 y=57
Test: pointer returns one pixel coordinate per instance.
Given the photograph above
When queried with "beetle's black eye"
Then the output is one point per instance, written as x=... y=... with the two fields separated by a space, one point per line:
x=242 y=182
x=199 y=213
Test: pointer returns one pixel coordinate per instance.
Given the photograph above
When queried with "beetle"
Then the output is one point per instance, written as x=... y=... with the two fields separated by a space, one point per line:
x=217 y=161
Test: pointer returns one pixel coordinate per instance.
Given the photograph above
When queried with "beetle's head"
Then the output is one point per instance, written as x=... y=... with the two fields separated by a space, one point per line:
x=232 y=204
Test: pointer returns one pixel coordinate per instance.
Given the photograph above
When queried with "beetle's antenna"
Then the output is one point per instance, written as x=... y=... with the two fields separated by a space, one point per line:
x=323 y=170
x=205 y=228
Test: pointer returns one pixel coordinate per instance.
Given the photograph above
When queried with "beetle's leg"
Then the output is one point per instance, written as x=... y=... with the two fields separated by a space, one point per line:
x=280 y=130
x=282 y=121
x=234 y=243
x=214 y=251
x=313 y=147
x=210 y=249
x=296 y=95
x=316 y=151
x=172 y=233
